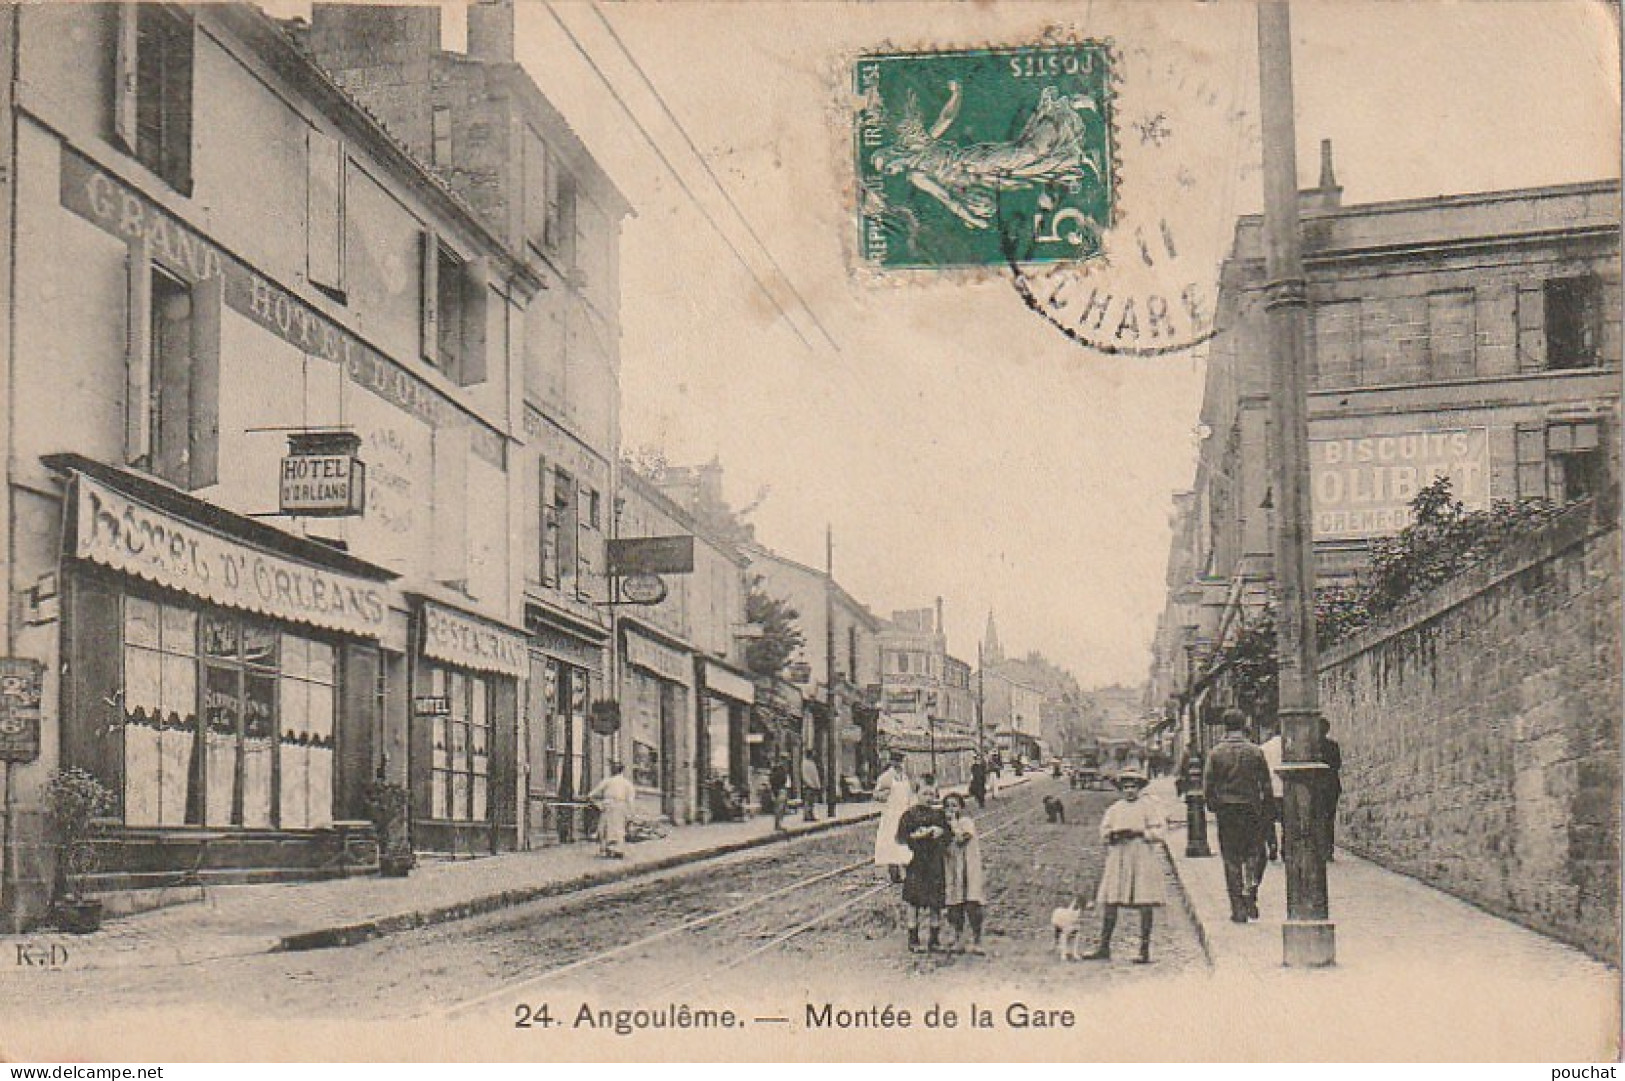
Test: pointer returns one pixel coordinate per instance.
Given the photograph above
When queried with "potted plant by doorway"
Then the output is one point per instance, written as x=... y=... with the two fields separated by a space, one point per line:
x=76 y=800
x=389 y=807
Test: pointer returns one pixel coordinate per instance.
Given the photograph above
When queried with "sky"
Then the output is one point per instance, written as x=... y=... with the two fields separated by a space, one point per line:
x=955 y=444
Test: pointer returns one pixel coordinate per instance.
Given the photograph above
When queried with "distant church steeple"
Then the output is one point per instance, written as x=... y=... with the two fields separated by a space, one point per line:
x=992 y=652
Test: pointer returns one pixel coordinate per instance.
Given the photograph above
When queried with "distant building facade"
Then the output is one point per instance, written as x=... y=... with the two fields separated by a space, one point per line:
x=1470 y=336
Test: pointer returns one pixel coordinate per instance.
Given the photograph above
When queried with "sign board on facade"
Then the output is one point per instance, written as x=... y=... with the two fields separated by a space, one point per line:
x=1363 y=486
x=125 y=534
x=604 y=717
x=21 y=684
x=432 y=705
x=323 y=485
x=468 y=642
x=651 y=555
x=643 y=589
x=798 y=672
x=655 y=658
x=719 y=680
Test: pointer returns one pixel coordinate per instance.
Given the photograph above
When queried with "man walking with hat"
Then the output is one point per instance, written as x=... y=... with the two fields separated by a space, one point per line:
x=1236 y=786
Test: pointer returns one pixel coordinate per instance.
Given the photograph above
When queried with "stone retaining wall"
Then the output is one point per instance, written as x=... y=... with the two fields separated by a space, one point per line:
x=1480 y=728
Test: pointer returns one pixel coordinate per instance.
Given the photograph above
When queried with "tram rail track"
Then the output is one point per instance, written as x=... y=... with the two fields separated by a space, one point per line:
x=514 y=989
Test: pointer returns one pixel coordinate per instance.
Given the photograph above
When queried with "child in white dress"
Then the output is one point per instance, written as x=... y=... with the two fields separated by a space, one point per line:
x=1132 y=829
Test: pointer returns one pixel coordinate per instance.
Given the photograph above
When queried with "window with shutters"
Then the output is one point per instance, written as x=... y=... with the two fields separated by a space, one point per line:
x=173 y=383
x=440 y=135
x=567 y=506
x=1451 y=334
x=152 y=110
x=1562 y=462
x=1573 y=322
x=454 y=312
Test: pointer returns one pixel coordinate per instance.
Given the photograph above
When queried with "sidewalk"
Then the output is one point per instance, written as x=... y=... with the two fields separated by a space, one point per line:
x=1419 y=974
x=234 y=921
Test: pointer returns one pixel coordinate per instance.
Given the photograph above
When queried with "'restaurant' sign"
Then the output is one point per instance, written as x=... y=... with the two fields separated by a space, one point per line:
x=21 y=683
x=1363 y=487
x=471 y=643
x=127 y=535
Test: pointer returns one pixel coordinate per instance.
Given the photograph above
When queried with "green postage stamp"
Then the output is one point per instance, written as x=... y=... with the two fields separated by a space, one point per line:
x=985 y=157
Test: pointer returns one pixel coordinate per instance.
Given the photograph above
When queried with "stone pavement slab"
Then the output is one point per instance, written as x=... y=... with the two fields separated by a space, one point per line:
x=1419 y=973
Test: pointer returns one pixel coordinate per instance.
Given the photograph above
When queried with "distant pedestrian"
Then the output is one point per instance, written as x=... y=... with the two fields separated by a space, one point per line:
x=978 y=782
x=1236 y=787
x=778 y=789
x=965 y=890
x=995 y=774
x=812 y=785
x=1274 y=816
x=896 y=792
x=614 y=796
x=1328 y=789
x=1132 y=829
x=925 y=830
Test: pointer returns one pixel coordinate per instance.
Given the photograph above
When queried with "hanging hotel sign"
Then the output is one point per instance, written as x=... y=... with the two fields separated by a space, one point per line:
x=322 y=477
x=1363 y=486
x=471 y=643
x=127 y=535
x=21 y=683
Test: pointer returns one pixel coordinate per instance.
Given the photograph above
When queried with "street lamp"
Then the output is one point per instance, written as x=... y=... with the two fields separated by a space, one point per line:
x=1196 y=845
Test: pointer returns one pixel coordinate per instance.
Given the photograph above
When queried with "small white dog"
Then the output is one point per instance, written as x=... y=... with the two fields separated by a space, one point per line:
x=1068 y=924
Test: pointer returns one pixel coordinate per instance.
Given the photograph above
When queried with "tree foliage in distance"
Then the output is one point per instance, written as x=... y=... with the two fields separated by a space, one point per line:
x=1443 y=540
x=780 y=638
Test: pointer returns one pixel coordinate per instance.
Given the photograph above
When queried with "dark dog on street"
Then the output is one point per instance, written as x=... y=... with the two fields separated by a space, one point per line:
x=1054 y=809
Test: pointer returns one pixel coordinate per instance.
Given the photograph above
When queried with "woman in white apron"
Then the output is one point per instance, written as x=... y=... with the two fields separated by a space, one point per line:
x=896 y=791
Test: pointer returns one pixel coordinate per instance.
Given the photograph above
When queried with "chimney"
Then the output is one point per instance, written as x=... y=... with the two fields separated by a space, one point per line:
x=490 y=31
x=1329 y=195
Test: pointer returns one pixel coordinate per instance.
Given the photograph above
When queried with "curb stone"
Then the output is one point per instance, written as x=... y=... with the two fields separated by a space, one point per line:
x=1185 y=903
x=355 y=933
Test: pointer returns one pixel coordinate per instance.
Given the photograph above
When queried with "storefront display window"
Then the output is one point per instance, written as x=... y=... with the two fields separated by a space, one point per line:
x=462 y=747
x=252 y=682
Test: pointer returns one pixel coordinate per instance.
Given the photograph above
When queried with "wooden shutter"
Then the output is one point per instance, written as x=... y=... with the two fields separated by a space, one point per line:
x=1532 y=328
x=324 y=210
x=1530 y=455
x=502 y=783
x=138 y=352
x=429 y=329
x=476 y=293
x=92 y=685
x=203 y=423
x=126 y=80
x=356 y=723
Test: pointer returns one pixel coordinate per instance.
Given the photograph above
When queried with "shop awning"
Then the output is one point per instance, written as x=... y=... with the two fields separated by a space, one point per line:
x=139 y=527
x=645 y=653
x=473 y=642
x=728 y=684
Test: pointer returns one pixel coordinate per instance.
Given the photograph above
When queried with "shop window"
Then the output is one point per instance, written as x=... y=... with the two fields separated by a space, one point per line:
x=250 y=683
x=453 y=312
x=152 y=97
x=461 y=766
x=1573 y=322
x=172 y=422
x=324 y=213
x=566 y=692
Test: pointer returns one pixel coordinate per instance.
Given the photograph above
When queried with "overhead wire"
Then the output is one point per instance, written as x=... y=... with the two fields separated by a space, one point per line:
x=665 y=107
x=575 y=43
